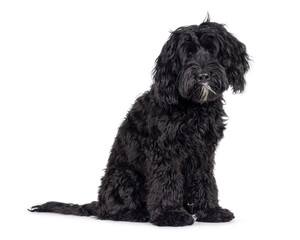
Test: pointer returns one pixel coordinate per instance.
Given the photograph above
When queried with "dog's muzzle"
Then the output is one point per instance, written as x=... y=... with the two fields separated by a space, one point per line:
x=205 y=90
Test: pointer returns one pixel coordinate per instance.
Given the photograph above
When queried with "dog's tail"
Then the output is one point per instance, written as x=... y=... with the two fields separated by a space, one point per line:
x=89 y=209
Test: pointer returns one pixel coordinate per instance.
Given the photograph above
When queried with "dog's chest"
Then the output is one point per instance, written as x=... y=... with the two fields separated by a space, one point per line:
x=200 y=130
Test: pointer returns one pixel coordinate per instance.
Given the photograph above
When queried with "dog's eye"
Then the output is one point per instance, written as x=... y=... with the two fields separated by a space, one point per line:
x=209 y=45
x=191 y=50
x=210 y=50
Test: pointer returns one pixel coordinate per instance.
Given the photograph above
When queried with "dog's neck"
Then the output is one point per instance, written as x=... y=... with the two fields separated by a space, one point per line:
x=185 y=105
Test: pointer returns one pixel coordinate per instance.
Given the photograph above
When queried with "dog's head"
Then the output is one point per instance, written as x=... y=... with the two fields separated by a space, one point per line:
x=198 y=63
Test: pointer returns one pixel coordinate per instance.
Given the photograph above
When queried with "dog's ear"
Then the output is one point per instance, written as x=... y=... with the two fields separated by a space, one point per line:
x=233 y=56
x=166 y=71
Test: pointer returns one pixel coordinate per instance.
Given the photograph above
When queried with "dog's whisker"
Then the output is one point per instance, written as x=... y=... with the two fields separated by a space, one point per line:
x=204 y=94
x=209 y=88
x=205 y=85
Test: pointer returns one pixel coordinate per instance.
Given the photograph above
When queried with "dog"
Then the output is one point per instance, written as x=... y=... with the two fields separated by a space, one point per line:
x=160 y=168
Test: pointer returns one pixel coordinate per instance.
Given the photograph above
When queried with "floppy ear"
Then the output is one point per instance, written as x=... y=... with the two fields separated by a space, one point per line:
x=235 y=59
x=166 y=72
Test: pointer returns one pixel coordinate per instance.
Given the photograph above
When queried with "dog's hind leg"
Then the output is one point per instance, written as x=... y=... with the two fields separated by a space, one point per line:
x=122 y=196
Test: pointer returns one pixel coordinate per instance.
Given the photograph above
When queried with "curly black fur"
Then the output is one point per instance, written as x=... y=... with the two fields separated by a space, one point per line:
x=161 y=164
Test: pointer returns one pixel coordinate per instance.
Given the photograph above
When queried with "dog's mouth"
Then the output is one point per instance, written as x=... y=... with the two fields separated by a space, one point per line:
x=205 y=90
x=202 y=92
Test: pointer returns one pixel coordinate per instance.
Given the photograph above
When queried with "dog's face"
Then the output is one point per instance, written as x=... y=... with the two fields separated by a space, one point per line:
x=201 y=77
x=198 y=63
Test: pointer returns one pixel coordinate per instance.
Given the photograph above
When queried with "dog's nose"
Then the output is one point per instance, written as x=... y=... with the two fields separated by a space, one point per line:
x=203 y=77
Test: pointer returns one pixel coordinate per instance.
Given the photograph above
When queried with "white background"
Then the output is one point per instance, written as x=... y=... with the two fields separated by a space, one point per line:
x=69 y=72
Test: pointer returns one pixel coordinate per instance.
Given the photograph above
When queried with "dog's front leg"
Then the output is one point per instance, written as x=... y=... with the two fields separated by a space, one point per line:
x=165 y=196
x=205 y=193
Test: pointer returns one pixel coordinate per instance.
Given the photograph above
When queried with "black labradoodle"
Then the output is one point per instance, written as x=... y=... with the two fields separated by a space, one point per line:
x=161 y=164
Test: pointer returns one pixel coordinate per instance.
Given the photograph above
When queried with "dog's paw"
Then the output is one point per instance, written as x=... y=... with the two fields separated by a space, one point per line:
x=217 y=214
x=173 y=218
